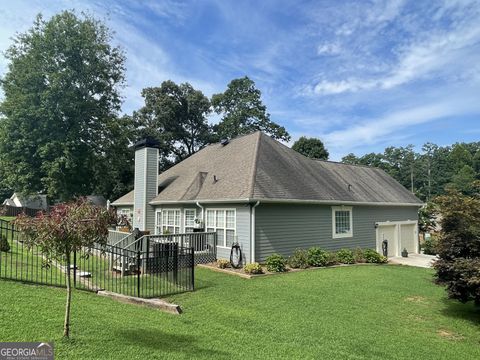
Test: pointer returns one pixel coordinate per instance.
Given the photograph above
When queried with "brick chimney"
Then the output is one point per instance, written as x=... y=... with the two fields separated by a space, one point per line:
x=146 y=184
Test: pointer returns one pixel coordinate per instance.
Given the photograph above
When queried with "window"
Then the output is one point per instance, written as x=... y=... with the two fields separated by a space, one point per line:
x=168 y=221
x=342 y=224
x=190 y=216
x=127 y=213
x=222 y=221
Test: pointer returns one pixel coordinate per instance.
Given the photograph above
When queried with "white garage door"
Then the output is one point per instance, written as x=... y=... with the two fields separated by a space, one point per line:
x=400 y=235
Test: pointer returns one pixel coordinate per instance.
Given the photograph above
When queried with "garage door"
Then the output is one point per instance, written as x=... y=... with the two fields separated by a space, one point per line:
x=408 y=238
x=400 y=235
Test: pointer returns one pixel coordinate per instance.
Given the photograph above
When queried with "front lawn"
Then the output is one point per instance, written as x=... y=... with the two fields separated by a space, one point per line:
x=357 y=312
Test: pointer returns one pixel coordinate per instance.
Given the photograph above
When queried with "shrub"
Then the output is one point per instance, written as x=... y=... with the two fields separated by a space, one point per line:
x=299 y=259
x=345 y=256
x=276 y=263
x=4 y=245
x=253 y=268
x=359 y=255
x=317 y=257
x=373 y=257
x=332 y=259
x=223 y=264
x=459 y=246
x=429 y=246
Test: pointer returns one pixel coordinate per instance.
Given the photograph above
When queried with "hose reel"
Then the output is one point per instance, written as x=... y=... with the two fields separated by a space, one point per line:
x=236 y=256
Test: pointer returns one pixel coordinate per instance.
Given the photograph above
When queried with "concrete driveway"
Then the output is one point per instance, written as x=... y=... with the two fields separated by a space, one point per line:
x=418 y=260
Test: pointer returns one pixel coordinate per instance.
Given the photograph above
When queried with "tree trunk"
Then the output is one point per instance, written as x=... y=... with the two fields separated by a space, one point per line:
x=66 y=325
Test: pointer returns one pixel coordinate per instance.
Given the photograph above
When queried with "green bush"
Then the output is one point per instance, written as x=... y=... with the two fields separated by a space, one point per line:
x=299 y=259
x=317 y=257
x=4 y=245
x=373 y=257
x=223 y=264
x=276 y=263
x=345 y=256
x=253 y=268
x=359 y=256
x=332 y=259
x=429 y=246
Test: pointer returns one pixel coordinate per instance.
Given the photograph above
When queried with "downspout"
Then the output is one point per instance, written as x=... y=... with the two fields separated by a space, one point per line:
x=252 y=222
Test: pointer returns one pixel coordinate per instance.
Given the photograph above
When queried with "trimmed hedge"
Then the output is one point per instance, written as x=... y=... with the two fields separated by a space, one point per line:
x=276 y=263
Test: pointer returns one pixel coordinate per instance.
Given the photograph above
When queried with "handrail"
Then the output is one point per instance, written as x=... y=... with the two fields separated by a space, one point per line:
x=122 y=239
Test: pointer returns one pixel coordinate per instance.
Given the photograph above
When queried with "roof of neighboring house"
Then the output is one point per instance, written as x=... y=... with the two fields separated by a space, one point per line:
x=8 y=202
x=256 y=167
x=37 y=201
x=126 y=199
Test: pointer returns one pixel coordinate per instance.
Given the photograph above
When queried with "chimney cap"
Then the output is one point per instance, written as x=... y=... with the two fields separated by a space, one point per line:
x=148 y=142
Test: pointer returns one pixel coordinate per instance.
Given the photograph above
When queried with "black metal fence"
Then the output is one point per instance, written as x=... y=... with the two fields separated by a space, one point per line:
x=162 y=270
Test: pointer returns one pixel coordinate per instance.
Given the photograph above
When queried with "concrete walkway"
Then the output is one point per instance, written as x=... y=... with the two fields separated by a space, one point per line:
x=418 y=260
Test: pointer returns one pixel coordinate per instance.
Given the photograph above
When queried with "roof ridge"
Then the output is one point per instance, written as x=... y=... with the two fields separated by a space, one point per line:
x=254 y=165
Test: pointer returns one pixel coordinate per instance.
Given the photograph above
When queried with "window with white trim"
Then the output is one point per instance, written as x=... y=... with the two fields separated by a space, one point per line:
x=189 y=215
x=342 y=221
x=128 y=214
x=222 y=221
x=168 y=221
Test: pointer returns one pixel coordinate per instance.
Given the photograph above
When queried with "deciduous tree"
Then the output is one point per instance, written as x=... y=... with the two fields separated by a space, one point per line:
x=311 y=147
x=66 y=229
x=243 y=111
x=176 y=116
x=60 y=106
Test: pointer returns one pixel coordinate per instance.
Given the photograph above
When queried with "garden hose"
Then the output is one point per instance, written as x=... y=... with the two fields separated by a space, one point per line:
x=236 y=256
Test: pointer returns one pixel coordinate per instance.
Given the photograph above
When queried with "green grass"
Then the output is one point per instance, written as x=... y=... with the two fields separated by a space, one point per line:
x=358 y=312
x=26 y=265
x=7 y=218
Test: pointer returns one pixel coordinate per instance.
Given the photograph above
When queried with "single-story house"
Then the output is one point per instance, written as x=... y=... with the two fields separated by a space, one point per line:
x=270 y=199
x=36 y=202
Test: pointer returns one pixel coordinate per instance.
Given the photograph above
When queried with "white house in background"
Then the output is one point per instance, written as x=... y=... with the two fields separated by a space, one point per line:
x=37 y=202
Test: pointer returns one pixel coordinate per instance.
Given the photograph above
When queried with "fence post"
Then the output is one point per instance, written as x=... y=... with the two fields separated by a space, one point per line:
x=138 y=273
x=192 y=266
x=75 y=269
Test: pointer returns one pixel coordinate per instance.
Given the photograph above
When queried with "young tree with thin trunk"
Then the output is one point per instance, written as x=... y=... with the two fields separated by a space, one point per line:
x=67 y=228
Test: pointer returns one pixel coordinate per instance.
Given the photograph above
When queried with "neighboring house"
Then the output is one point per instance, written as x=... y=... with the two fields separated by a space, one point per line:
x=97 y=200
x=36 y=202
x=270 y=199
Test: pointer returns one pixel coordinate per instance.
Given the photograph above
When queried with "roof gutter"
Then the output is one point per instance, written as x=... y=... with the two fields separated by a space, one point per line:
x=288 y=201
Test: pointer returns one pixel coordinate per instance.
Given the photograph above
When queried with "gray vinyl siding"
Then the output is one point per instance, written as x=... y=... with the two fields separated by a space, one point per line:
x=139 y=190
x=146 y=173
x=282 y=228
x=242 y=222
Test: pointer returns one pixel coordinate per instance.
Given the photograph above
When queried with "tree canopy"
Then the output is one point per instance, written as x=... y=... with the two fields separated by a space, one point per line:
x=311 y=147
x=176 y=116
x=59 y=114
x=431 y=171
x=243 y=112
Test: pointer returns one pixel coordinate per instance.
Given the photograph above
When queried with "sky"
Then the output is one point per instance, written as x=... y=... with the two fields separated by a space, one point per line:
x=359 y=75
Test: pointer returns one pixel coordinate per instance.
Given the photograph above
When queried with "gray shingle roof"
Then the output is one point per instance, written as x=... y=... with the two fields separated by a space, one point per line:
x=256 y=167
x=126 y=199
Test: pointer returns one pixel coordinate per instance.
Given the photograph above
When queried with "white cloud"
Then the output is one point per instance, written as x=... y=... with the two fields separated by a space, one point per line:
x=329 y=49
x=398 y=122
x=442 y=53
